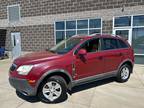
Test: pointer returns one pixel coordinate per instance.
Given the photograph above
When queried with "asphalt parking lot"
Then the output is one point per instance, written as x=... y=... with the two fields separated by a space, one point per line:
x=101 y=94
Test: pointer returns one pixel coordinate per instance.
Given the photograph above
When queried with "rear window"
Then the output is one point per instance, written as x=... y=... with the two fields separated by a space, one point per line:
x=122 y=44
x=109 y=44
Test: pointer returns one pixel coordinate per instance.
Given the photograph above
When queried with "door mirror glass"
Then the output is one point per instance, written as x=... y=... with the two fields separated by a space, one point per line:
x=82 y=52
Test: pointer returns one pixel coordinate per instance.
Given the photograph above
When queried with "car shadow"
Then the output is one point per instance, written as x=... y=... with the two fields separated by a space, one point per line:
x=31 y=99
x=91 y=85
x=34 y=99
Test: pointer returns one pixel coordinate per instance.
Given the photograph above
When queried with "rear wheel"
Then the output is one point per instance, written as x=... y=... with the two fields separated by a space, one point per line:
x=124 y=73
x=53 y=90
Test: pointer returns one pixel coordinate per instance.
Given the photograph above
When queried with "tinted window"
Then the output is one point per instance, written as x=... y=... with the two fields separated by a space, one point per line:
x=91 y=45
x=109 y=44
x=138 y=40
x=138 y=20
x=122 y=44
x=122 y=21
x=95 y=23
x=70 y=24
x=82 y=32
x=81 y=24
x=70 y=33
x=59 y=36
x=60 y=25
x=95 y=31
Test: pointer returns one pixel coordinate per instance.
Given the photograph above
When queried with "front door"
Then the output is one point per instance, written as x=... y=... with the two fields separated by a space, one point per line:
x=125 y=33
x=92 y=63
x=16 y=44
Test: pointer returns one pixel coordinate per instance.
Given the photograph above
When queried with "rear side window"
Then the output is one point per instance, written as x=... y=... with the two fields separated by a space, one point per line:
x=122 y=44
x=109 y=44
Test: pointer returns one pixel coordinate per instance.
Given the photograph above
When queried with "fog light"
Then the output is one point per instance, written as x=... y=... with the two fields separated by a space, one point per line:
x=31 y=81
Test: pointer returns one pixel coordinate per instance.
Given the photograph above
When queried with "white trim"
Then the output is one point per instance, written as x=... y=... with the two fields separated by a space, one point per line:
x=8 y=12
x=55 y=33
x=88 y=25
x=139 y=54
x=138 y=26
x=101 y=25
x=129 y=34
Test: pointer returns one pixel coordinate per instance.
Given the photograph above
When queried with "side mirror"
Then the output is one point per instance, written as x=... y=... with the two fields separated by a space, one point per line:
x=82 y=52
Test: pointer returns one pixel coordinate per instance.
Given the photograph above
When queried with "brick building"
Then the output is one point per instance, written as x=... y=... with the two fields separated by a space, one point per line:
x=35 y=25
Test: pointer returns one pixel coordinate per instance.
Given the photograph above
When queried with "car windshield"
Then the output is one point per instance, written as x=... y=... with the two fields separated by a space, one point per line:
x=65 y=45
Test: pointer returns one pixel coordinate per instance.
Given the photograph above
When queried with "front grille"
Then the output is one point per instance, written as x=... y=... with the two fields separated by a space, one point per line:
x=13 y=67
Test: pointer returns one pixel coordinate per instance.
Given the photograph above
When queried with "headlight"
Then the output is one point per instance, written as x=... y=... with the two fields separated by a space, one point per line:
x=25 y=69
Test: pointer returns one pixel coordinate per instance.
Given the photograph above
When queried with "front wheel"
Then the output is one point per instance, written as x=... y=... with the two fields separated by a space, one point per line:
x=53 y=90
x=124 y=73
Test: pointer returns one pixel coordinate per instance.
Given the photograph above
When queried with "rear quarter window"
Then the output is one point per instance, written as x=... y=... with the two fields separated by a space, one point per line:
x=122 y=44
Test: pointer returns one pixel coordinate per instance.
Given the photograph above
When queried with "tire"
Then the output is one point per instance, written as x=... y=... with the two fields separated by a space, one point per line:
x=53 y=90
x=124 y=73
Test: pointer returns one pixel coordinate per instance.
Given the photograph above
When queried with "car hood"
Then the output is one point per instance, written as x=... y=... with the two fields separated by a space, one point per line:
x=36 y=57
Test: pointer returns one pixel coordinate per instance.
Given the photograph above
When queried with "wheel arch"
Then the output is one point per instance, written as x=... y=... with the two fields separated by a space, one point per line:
x=127 y=61
x=56 y=72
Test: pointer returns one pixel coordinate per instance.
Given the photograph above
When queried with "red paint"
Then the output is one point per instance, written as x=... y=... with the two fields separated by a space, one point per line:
x=92 y=63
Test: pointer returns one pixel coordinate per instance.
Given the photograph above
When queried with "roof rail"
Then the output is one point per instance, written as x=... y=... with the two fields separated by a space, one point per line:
x=80 y=35
x=75 y=35
x=93 y=34
x=118 y=36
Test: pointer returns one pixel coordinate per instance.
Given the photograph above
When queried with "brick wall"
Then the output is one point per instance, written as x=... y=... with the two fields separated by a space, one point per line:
x=34 y=38
x=39 y=37
x=46 y=7
x=107 y=27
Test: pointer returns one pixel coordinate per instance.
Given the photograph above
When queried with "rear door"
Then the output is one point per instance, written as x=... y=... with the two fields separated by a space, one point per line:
x=112 y=54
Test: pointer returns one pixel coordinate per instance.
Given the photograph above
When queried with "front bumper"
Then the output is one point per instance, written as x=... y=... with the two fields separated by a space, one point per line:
x=23 y=86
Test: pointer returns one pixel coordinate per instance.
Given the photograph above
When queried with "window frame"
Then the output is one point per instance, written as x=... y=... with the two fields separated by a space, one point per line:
x=19 y=12
x=100 y=42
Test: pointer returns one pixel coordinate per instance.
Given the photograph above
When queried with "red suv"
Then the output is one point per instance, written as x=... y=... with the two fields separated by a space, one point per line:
x=78 y=60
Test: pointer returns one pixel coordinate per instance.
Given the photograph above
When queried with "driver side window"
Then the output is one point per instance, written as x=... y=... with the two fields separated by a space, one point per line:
x=91 y=45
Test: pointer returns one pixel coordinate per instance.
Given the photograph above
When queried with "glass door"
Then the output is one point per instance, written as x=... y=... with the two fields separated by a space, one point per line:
x=125 y=33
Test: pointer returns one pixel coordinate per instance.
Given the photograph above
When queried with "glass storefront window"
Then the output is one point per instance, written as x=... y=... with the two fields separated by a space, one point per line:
x=60 y=25
x=66 y=29
x=138 y=40
x=82 y=24
x=70 y=33
x=60 y=35
x=95 y=31
x=70 y=24
x=95 y=23
x=123 y=33
x=122 y=21
x=138 y=20
x=85 y=32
